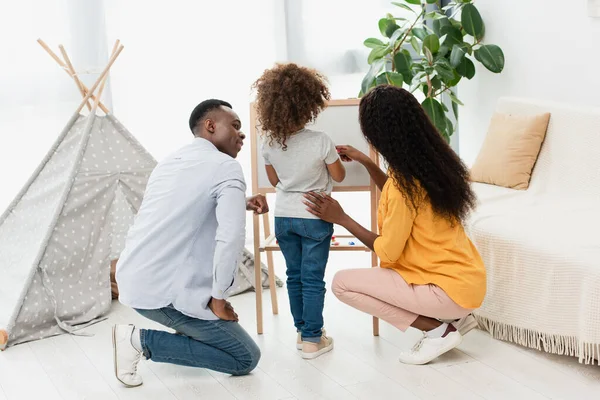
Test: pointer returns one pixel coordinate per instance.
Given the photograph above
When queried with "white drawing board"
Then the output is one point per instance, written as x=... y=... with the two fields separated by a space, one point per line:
x=340 y=121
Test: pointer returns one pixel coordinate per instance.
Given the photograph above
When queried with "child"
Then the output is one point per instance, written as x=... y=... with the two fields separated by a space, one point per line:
x=299 y=160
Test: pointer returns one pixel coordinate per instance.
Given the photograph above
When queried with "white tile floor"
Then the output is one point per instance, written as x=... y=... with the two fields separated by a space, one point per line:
x=360 y=367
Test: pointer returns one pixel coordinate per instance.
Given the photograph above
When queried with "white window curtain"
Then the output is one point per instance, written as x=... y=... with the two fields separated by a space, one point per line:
x=36 y=96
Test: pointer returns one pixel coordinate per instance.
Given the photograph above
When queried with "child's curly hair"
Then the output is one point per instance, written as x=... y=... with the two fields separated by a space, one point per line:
x=289 y=97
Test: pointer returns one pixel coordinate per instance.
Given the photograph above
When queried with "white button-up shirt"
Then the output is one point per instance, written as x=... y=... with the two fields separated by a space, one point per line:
x=188 y=235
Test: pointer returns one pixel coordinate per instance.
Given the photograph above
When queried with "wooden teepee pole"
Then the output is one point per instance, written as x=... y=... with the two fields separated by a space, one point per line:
x=65 y=67
x=100 y=79
x=74 y=74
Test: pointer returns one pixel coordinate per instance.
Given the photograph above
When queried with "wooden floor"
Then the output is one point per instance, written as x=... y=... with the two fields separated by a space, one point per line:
x=360 y=367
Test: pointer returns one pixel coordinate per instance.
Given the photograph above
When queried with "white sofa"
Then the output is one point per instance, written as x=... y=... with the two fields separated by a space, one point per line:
x=541 y=246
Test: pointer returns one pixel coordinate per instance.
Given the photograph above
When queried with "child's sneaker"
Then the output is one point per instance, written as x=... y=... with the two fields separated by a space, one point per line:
x=312 y=350
x=299 y=339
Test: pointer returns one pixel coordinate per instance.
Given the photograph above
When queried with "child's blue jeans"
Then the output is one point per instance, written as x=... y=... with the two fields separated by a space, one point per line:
x=305 y=246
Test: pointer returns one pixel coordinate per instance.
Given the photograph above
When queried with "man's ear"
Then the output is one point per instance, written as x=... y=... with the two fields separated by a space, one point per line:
x=209 y=125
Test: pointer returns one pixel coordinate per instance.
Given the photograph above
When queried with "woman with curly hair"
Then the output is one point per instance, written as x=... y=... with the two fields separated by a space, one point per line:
x=299 y=160
x=430 y=271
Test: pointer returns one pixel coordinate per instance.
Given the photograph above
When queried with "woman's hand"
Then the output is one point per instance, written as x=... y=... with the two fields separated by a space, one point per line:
x=325 y=207
x=349 y=153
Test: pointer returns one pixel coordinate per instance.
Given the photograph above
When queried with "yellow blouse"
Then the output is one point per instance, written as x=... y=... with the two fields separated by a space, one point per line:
x=426 y=249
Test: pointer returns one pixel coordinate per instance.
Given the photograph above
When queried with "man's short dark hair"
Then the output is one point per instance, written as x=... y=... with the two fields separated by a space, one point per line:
x=204 y=108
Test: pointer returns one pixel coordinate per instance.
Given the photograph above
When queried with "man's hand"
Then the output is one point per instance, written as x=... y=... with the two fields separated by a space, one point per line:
x=222 y=309
x=258 y=204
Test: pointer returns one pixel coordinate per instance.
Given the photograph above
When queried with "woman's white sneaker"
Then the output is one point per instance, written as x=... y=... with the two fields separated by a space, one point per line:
x=125 y=356
x=428 y=349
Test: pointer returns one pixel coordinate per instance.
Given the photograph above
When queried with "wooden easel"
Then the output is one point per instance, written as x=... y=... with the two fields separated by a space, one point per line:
x=267 y=243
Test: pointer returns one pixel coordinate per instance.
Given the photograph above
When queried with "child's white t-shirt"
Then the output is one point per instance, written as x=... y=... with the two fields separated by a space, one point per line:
x=301 y=168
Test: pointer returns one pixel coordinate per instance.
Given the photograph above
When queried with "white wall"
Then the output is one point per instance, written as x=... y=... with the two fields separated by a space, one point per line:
x=552 y=53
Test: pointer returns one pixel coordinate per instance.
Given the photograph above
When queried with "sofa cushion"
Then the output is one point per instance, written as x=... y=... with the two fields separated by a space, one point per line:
x=510 y=150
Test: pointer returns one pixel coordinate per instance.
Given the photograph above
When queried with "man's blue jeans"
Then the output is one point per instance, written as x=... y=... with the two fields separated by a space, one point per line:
x=305 y=246
x=218 y=345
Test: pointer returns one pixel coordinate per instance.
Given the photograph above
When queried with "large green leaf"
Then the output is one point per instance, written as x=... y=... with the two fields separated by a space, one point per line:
x=435 y=16
x=415 y=2
x=369 y=79
x=403 y=65
x=466 y=68
x=436 y=83
x=404 y=6
x=440 y=23
x=378 y=53
x=453 y=35
x=394 y=38
x=415 y=44
x=428 y=56
x=443 y=68
x=456 y=56
x=420 y=33
x=455 y=109
x=373 y=43
x=443 y=51
x=391 y=29
x=449 y=128
x=491 y=56
x=432 y=1
x=434 y=110
x=383 y=25
x=472 y=21
x=395 y=78
x=454 y=98
x=454 y=81
x=432 y=42
x=381 y=79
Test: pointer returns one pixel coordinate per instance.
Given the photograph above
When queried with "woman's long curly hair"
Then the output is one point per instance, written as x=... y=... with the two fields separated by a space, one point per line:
x=423 y=165
x=287 y=98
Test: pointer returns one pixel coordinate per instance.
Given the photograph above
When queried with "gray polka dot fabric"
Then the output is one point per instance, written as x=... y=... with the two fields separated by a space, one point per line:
x=58 y=237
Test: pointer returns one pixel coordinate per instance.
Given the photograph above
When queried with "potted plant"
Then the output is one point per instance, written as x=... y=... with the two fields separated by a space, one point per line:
x=432 y=52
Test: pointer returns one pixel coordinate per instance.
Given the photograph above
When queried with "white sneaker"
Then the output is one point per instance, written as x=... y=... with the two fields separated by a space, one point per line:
x=312 y=350
x=428 y=349
x=125 y=356
x=466 y=324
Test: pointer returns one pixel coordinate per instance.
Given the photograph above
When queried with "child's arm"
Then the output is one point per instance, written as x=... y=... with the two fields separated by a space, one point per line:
x=337 y=170
x=272 y=175
x=332 y=159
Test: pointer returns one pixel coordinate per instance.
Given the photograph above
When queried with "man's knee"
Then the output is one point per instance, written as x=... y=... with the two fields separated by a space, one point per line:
x=248 y=362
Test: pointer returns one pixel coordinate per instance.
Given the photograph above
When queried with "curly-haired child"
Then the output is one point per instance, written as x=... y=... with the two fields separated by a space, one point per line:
x=299 y=160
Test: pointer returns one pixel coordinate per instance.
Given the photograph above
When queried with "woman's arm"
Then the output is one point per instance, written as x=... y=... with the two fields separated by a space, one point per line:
x=378 y=176
x=360 y=232
x=349 y=153
x=328 y=209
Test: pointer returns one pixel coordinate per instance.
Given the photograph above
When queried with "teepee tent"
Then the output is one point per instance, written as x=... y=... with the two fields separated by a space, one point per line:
x=61 y=234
